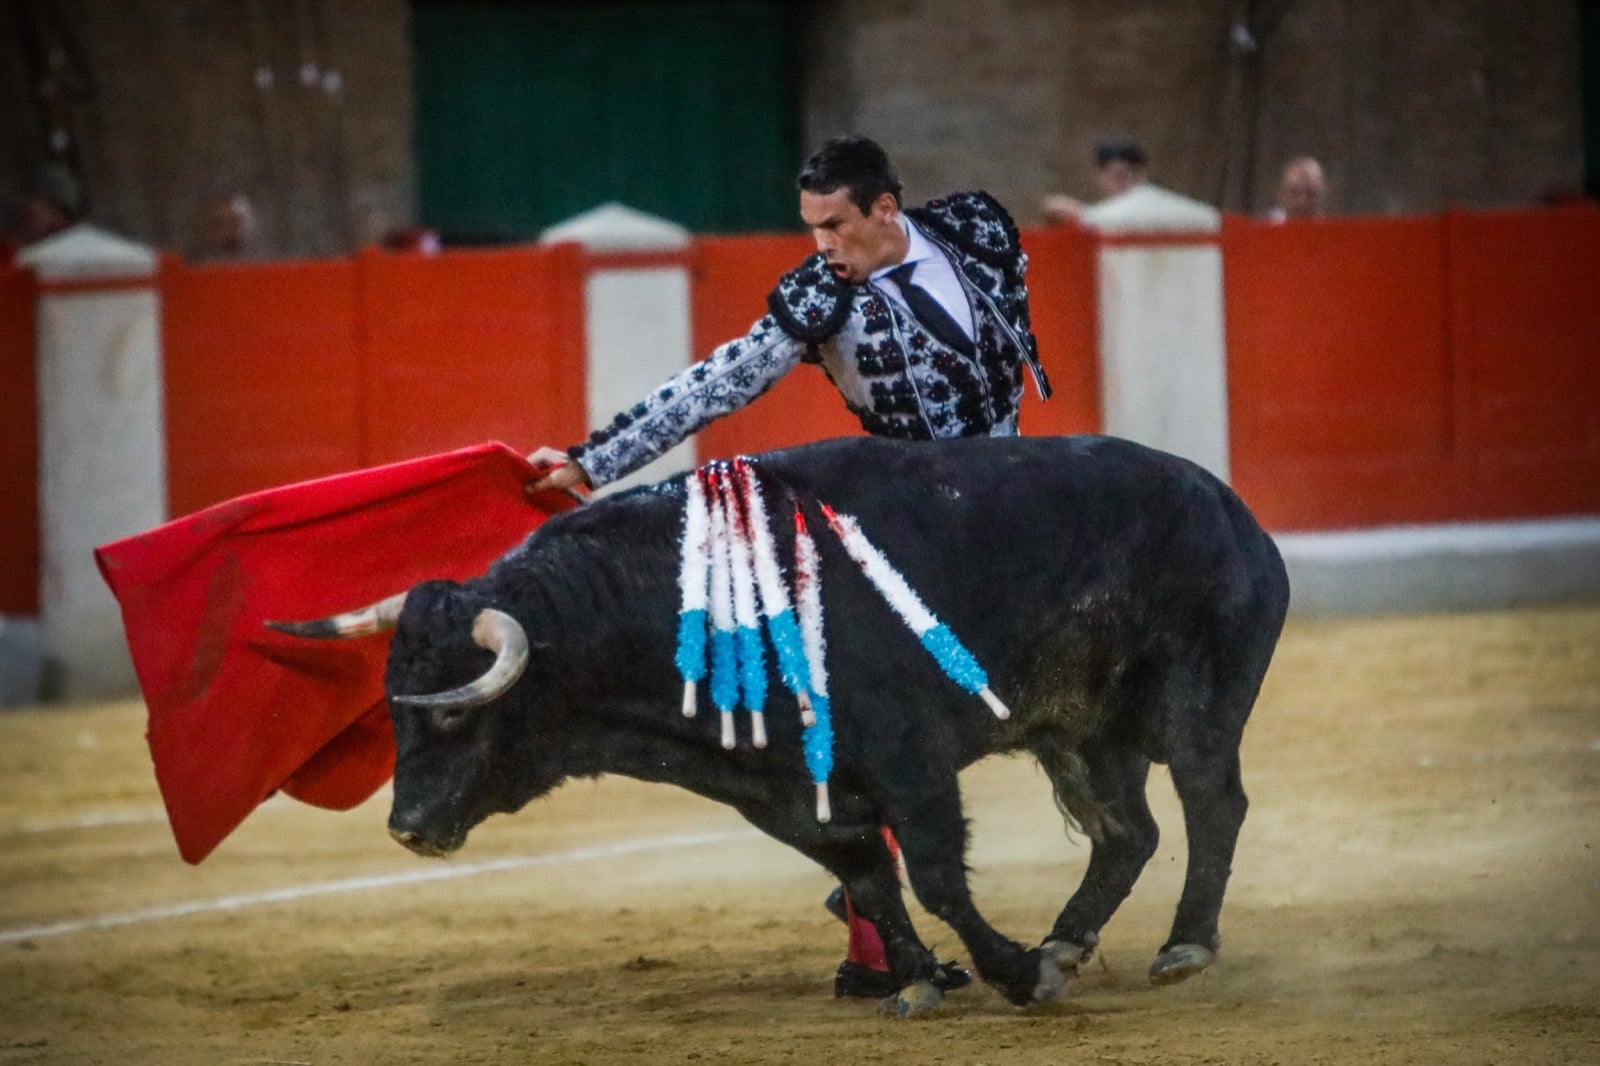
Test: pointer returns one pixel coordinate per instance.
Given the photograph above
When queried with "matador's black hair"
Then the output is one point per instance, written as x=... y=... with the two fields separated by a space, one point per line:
x=855 y=163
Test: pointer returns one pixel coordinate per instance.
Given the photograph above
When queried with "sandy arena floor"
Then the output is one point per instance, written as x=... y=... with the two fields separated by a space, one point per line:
x=1418 y=882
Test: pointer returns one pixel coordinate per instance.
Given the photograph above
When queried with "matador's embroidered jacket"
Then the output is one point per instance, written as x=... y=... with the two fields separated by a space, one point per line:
x=893 y=373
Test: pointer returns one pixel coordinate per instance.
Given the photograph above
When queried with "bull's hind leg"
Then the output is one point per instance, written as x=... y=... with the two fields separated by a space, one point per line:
x=1214 y=806
x=933 y=842
x=1124 y=835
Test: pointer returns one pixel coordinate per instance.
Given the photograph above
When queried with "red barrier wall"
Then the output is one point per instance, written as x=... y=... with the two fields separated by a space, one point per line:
x=472 y=346
x=1414 y=370
x=1380 y=370
x=1525 y=335
x=19 y=447
x=262 y=375
x=733 y=275
x=731 y=279
x=1063 y=297
x=285 y=371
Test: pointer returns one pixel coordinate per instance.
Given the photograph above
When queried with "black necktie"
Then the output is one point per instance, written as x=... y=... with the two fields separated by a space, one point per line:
x=930 y=312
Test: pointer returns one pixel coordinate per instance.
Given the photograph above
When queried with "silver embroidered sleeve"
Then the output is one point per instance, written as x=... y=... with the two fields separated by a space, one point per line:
x=729 y=378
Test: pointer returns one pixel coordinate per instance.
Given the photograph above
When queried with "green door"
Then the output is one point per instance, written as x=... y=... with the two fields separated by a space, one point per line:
x=528 y=113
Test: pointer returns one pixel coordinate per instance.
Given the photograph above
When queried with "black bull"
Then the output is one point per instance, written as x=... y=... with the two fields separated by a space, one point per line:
x=1124 y=602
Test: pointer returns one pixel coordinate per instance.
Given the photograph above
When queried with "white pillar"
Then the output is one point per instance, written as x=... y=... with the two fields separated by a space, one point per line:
x=637 y=315
x=1162 y=351
x=102 y=442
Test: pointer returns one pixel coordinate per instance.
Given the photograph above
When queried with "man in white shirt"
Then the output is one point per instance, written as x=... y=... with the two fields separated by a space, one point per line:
x=1120 y=164
x=884 y=335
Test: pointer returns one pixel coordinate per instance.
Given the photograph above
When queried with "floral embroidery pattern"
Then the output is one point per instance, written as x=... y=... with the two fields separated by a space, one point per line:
x=895 y=377
x=810 y=302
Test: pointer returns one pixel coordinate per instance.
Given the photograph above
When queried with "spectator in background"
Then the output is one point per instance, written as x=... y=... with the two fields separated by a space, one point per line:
x=419 y=239
x=52 y=202
x=1566 y=196
x=227 y=228
x=1120 y=164
x=1302 y=191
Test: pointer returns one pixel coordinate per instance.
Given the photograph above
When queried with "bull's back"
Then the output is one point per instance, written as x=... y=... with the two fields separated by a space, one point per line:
x=1058 y=505
x=1007 y=531
x=1038 y=550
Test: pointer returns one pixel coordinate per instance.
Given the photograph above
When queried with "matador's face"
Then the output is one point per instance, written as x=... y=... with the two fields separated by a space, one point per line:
x=856 y=244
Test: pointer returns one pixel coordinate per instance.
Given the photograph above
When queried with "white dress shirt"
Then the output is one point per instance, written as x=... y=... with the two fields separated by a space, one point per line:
x=934 y=273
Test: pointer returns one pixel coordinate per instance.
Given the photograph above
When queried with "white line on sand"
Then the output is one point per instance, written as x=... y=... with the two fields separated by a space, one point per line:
x=290 y=893
x=101 y=819
x=91 y=820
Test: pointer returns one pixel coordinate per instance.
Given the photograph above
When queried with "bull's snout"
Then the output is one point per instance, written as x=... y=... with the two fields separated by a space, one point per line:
x=420 y=845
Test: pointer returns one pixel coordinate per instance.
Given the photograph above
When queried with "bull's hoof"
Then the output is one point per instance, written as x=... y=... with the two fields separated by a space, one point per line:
x=1052 y=982
x=947 y=976
x=1037 y=979
x=915 y=998
x=1068 y=955
x=1180 y=961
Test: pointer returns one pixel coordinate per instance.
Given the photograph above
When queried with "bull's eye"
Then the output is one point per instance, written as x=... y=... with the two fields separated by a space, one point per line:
x=447 y=719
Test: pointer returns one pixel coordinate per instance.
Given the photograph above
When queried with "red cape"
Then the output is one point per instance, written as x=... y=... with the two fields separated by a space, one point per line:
x=238 y=711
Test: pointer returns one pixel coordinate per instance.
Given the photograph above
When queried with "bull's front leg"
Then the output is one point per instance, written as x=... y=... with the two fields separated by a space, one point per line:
x=874 y=889
x=853 y=850
x=933 y=842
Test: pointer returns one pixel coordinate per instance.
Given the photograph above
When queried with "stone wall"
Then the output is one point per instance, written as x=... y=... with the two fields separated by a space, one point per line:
x=1412 y=105
x=302 y=105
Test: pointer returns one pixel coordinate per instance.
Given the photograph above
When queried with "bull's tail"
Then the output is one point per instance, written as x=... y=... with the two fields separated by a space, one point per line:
x=1069 y=780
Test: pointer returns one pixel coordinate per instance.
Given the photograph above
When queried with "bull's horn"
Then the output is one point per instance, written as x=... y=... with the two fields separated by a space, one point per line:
x=378 y=617
x=499 y=633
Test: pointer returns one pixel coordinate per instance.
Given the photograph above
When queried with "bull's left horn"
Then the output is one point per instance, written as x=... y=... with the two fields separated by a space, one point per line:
x=499 y=633
x=380 y=617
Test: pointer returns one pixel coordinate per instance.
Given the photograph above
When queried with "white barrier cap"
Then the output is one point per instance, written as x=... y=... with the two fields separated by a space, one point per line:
x=84 y=252
x=614 y=227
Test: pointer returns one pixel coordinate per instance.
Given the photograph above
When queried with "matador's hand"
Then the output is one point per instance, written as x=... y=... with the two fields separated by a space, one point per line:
x=560 y=472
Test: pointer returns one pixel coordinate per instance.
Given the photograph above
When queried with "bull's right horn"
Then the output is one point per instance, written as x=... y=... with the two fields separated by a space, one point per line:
x=380 y=617
x=497 y=632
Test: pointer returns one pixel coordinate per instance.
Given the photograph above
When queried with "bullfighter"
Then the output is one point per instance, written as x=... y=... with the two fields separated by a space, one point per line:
x=918 y=316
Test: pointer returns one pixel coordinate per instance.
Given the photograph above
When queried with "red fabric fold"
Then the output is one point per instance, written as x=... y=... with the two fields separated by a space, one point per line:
x=238 y=711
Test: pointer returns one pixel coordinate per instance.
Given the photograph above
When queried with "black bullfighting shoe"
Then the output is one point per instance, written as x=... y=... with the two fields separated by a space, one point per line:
x=863 y=982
